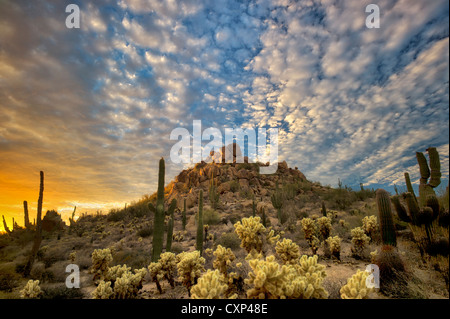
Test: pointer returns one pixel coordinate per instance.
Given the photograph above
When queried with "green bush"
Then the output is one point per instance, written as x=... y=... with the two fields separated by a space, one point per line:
x=145 y=232
x=61 y=292
x=229 y=240
x=9 y=279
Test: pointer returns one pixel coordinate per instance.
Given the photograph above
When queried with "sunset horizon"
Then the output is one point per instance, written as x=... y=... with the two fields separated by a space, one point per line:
x=93 y=107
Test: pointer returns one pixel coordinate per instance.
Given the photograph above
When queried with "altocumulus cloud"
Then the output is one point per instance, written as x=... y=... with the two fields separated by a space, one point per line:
x=94 y=107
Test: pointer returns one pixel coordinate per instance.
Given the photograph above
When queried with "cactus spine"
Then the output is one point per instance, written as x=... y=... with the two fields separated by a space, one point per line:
x=385 y=216
x=199 y=245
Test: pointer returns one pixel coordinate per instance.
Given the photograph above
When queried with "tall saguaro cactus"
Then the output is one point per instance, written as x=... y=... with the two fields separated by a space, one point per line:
x=25 y=212
x=430 y=176
x=5 y=226
x=38 y=231
x=385 y=215
x=199 y=245
x=159 y=214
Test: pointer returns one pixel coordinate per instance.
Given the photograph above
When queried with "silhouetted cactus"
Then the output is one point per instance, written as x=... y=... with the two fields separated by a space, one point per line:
x=5 y=226
x=25 y=213
x=38 y=231
x=387 y=228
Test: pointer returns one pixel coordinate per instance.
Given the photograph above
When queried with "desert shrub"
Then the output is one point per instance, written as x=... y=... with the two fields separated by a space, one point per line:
x=61 y=292
x=135 y=258
x=234 y=186
x=9 y=279
x=116 y=215
x=229 y=240
x=145 y=232
x=210 y=217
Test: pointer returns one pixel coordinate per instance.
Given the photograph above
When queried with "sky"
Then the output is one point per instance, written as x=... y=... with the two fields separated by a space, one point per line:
x=93 y=107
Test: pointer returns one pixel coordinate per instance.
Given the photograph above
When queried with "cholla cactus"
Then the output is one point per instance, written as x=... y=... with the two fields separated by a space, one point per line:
x=112 y=273
x=72 y=256
x=356 y=287
x=334 y=244
x=100 y=261
x=129 y=284
x=178 y=236
x=103 y=290
x=251 y=232
x=210 y=285
x=301 y=280
x=310 y=229
x=370 y=225
x=156 y=274
x=190 y=267
x=359 y=240
x=324 y=224
x=168 y=263
x=287 y=251
x=224 y=258
x=32 y=290
x=305 y=280
x=268 y=279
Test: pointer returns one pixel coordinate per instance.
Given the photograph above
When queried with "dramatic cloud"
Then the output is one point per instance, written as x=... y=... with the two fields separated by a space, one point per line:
x=94 y=107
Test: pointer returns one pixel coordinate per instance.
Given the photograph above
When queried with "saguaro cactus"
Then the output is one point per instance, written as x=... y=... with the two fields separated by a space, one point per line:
x=183 y=216
x=26 y=217
x=385 y=216
x=169 y=234
x=430 y=176
x=277 y=202
x=38 y=231
x=5 y=226
x=158 y=224
x=199 y=245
